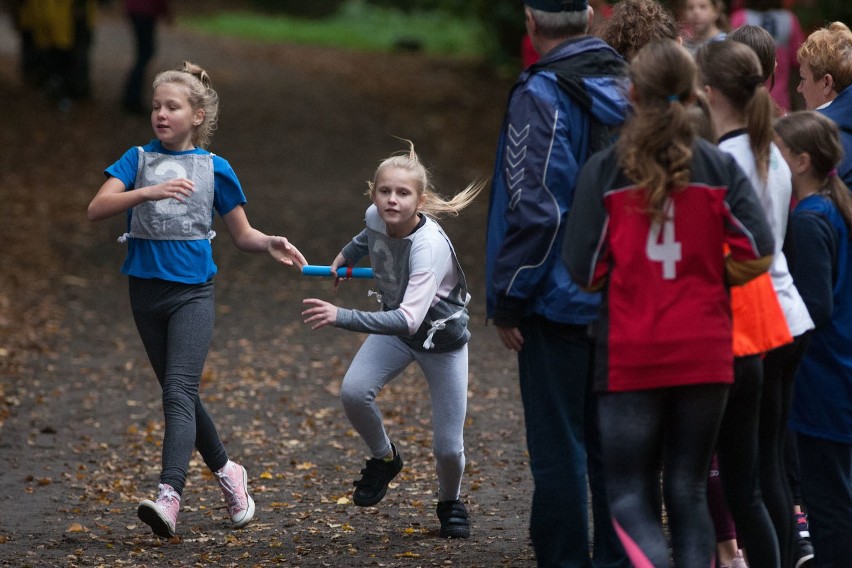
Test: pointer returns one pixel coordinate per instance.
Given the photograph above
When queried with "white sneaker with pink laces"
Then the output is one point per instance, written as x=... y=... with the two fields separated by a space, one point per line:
x=161 y=515
x=233 y=480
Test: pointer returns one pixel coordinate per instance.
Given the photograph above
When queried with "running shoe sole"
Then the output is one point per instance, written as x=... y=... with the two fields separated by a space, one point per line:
x=149 y=514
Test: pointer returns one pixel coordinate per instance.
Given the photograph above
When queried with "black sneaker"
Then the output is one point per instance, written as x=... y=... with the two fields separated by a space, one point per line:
x=373 y=485
x=454 y=519
x=804 y=553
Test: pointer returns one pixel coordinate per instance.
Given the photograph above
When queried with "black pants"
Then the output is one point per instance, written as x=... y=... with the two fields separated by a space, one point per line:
x=827 y=492
x=737 y=450
x=144 y=30
x=779 y=371
x=675 y=428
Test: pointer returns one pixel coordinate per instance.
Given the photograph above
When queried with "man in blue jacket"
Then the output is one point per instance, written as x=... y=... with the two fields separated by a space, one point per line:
x=560 y=110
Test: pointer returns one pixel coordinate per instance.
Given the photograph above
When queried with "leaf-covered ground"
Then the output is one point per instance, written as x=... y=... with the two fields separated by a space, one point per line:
x=80 y=415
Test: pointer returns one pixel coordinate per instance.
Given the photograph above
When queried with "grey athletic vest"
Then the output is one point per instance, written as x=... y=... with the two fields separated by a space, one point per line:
x=170 y=219
x=445 y=326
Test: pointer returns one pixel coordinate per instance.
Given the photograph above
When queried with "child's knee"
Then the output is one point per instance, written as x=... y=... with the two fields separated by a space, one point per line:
x=353 y=395
x=449 y=454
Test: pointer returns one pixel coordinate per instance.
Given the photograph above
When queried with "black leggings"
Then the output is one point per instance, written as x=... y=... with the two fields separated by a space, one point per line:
x=674 y=428
x=779 y=371
x=737 y=450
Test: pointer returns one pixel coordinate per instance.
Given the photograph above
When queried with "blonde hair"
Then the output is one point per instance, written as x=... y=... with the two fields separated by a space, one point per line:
x=655 y=145
x=433 y=205
x=812 y=133
x=828 y=51
x=200 y=95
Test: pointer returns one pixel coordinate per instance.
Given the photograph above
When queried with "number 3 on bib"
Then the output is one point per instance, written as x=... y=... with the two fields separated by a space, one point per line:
x=666 y=251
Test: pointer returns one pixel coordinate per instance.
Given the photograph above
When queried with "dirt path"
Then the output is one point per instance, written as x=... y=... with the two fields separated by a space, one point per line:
x=80 y=416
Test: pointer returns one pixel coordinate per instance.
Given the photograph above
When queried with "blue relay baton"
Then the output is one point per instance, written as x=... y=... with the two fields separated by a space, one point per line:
x=342 y=272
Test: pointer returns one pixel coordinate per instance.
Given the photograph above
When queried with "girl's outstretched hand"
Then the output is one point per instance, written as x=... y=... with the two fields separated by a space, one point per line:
x=320 y=314
x=285 y=252
x=339 y=261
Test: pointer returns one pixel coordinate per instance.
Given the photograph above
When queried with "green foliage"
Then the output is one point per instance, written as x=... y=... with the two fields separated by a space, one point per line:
x=462 y=8
x=357 y=25
x=300 y=8
x=489 y=28
x=504 y=23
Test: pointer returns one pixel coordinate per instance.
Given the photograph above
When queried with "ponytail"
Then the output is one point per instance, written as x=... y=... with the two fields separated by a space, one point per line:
x=655 y=145
x=836 y=190
x=760 y=114
x=733 y=69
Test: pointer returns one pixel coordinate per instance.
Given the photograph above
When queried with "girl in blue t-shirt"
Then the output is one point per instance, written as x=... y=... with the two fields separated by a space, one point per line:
x=169 y=189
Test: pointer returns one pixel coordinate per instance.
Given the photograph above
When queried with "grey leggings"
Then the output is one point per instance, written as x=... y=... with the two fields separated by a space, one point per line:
x=380 y=359
x=175 y=322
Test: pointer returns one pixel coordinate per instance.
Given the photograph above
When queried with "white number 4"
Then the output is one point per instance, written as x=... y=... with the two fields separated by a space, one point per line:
x=667 y=251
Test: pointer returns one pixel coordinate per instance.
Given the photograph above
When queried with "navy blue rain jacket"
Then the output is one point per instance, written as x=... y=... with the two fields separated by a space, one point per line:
x=544 y=141
x=840 y=111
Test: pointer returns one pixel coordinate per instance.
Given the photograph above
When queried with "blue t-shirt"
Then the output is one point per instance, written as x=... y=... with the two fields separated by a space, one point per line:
x=185 y=261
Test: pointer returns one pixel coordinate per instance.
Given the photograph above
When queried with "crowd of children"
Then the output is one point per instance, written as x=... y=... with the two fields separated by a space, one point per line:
x=743 y=90
x=716 y=233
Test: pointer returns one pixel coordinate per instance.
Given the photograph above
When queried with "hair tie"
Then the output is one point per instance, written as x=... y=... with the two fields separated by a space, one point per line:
x=832 y=172
x=673 y=98
x=754 y=81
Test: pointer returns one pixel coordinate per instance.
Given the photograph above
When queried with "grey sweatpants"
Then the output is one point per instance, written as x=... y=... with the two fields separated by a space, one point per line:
x=381 y=359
